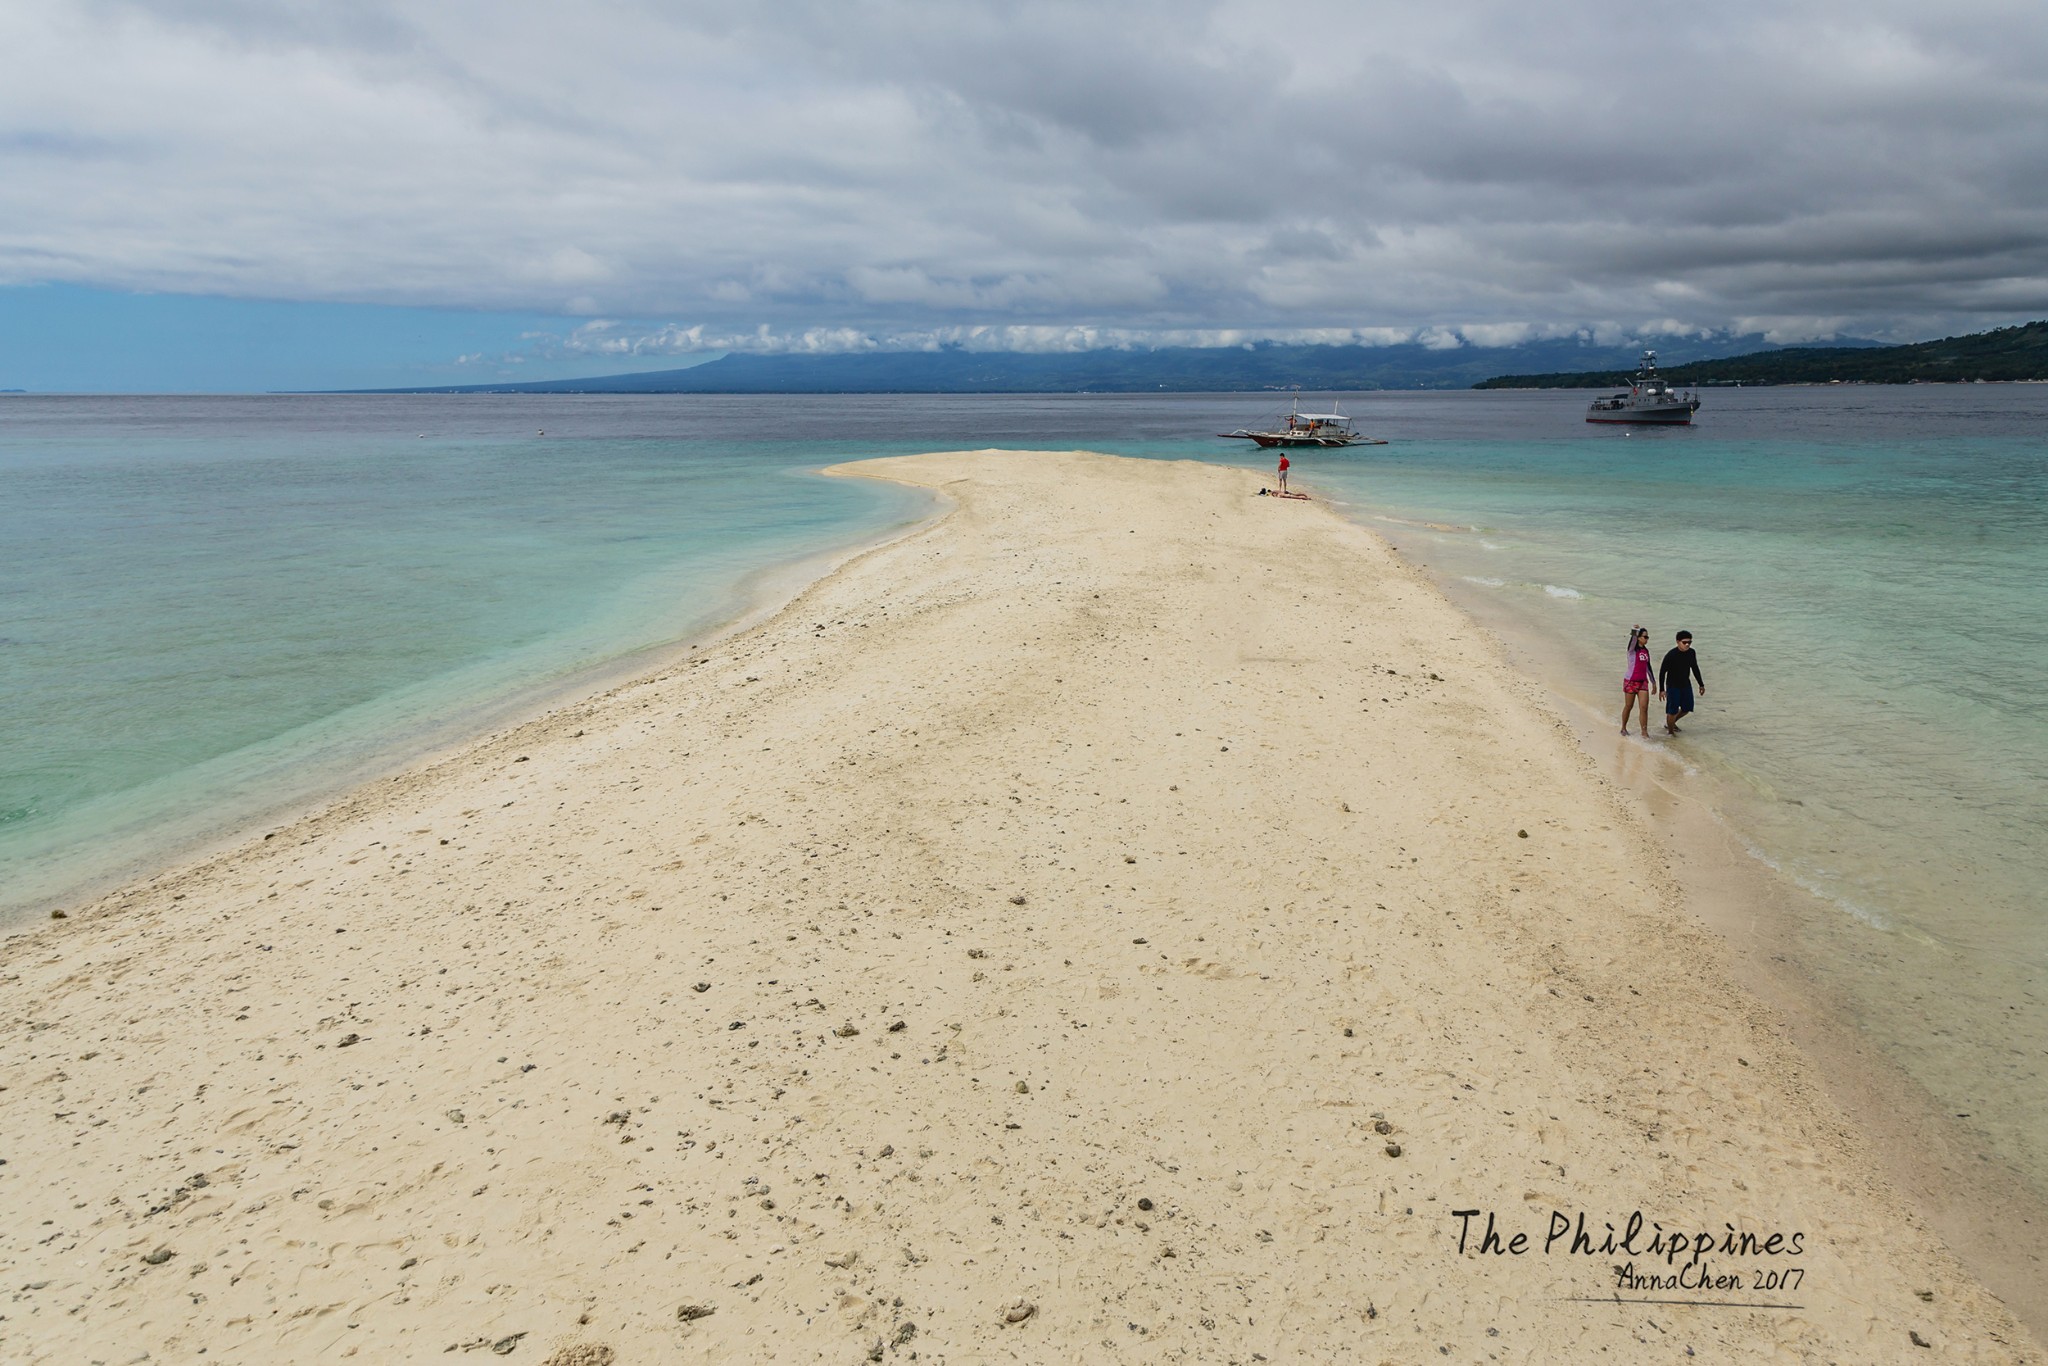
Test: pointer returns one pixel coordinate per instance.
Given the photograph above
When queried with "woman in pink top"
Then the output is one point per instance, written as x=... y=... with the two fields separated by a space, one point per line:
x=1639 y=682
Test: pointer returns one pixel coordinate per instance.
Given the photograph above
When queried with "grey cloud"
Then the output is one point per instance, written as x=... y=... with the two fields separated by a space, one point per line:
x=904 y=170
x=1305 y=244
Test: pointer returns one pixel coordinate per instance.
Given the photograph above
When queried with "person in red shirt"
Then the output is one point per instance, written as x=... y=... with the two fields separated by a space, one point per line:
x=1637 y=682
x=1283 y=471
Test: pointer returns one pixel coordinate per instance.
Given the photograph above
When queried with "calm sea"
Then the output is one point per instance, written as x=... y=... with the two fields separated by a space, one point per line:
x=212 y=609
x=1864 y=571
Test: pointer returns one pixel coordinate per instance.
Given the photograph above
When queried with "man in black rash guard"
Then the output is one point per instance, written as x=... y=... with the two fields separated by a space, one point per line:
x=1675 y=675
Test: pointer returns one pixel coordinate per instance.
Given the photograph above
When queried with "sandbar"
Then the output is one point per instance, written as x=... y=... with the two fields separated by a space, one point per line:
x=1125 y=918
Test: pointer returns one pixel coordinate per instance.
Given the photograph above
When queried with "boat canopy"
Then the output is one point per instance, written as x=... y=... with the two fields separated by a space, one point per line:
x=1321 y=417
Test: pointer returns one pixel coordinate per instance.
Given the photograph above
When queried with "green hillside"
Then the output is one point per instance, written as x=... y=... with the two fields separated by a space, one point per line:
x=2010 y=353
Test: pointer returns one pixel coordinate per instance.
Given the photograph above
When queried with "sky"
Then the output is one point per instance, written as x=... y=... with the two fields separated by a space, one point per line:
x=250 y=194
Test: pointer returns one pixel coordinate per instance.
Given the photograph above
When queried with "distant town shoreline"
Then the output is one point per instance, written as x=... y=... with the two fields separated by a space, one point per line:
x=2011 y=355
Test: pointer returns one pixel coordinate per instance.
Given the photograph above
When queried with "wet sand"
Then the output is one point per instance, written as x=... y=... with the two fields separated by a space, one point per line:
x=1127 y=918
x=1786 y=945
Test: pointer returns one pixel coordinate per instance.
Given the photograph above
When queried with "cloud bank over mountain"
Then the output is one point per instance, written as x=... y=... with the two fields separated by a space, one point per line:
x=845 y=176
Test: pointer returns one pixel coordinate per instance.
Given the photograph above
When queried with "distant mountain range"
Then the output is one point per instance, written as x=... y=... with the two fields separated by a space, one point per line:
x=2010 y=353
x=1341 y=369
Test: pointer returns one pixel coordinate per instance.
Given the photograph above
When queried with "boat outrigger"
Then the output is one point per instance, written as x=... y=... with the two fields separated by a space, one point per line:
x=1649 y=399
x=1296 y=428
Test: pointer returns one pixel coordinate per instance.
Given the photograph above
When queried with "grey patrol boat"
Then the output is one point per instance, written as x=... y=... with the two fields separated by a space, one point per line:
x=1649 y=399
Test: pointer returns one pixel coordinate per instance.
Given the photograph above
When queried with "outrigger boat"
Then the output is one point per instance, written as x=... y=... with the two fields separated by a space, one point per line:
x=1296 y=428
x=1649 y=399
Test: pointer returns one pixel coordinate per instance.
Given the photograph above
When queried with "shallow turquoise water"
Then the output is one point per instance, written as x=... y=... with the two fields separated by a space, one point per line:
x=1864 y=574
x=209 y=608
x=1867 y=616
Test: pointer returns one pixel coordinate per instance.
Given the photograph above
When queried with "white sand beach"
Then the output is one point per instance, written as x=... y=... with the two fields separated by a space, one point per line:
x=1123 y=919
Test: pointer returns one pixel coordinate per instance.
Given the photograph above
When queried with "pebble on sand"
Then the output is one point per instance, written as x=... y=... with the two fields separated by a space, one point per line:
x=690 y=1313
x=582 y=1354
x=1020 y=1311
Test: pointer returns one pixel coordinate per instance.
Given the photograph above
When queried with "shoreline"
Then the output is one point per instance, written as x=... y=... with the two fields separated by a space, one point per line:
x=1985 y=1210
x=755 y=596
x=951 y=734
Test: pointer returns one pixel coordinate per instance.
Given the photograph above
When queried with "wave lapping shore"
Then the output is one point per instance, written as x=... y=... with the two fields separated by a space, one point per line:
x=1125 y=918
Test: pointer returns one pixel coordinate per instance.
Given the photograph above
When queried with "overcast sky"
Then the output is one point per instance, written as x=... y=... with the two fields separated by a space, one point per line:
x=657 y=179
